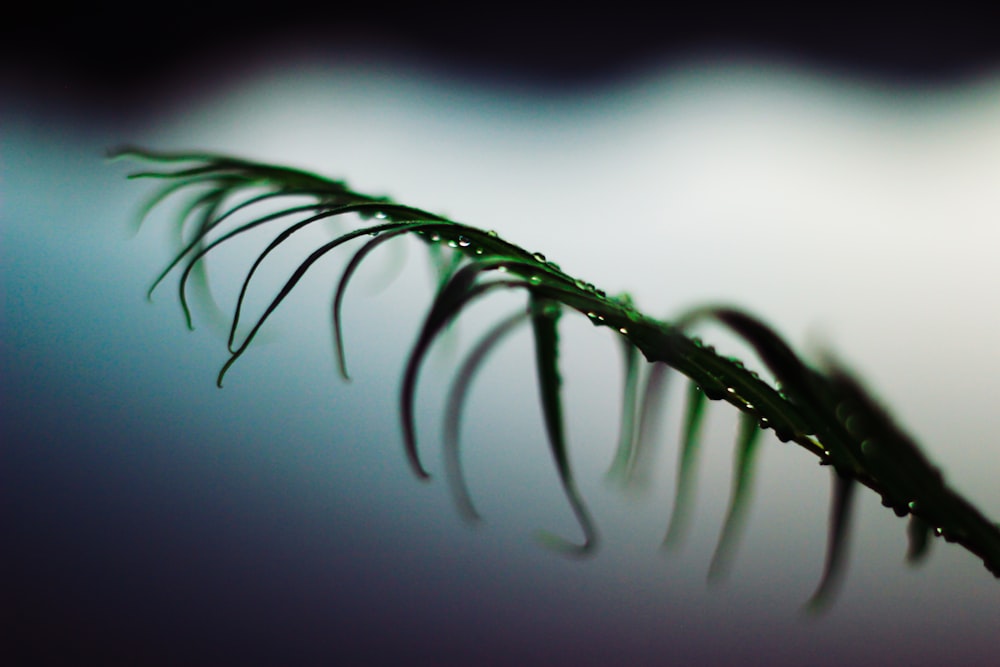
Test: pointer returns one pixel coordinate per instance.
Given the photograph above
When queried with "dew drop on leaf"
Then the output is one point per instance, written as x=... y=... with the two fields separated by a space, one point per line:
x=714 y=393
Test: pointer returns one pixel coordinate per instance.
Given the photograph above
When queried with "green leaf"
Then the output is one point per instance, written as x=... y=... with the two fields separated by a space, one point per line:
x=454 y=296
x=382 y=234
x=826 y=412
x=453 y=412
x=687 y=466
x=625 y=453
x=744 y=462
x=545 y=314
x=640 y=471
x=286 y=289
x=841 y=506
x=919 y=533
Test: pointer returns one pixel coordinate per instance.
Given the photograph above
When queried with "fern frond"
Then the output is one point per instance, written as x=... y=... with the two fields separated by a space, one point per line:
x=824 y=410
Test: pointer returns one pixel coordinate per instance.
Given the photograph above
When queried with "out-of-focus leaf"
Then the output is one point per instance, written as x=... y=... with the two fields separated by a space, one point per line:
x=841 y=507
x=744 y=462
x=625 y=452
x=919 y=533
x=453 y=412
x=687 y=466
x=454 y=296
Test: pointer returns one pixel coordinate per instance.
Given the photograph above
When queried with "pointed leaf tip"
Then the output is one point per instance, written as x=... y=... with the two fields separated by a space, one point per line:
x=687 y=466
x=739 y=500
x=839 y=534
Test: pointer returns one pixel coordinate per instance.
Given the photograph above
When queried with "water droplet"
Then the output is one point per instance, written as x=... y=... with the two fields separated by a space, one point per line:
x=534 y=280
x=453 y=243
x=749 y=406
x=939 y=531
x=912 y=505
x=730 y=390
x=464 y=242
x=502 y=268
x=491 y=233
x=435 y=237
x=714 y=393
x=539 y=257
x=479 y=251
x=381 y=215
x=622 y=330
x=579 y=284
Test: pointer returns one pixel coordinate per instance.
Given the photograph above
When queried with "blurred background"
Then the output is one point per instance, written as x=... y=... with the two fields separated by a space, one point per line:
x=835 y=174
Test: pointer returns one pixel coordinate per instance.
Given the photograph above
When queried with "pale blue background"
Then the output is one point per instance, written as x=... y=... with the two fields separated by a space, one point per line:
x=152 y=518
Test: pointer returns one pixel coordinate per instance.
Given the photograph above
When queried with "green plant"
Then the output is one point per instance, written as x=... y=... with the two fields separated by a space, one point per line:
x=823 y=409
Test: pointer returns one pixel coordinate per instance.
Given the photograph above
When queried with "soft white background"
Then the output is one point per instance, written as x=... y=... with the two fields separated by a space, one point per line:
x=277 y=520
